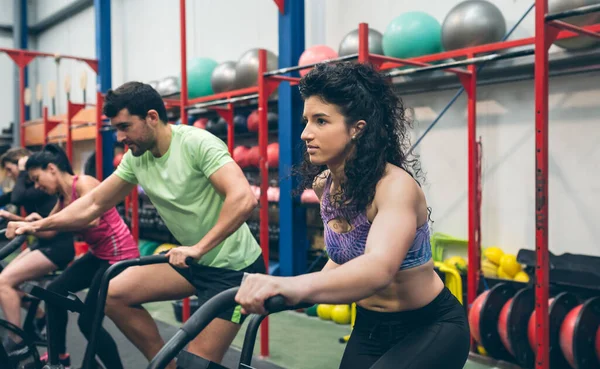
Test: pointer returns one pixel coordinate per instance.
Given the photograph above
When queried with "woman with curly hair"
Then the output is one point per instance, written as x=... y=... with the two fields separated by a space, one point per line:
x=376 y=222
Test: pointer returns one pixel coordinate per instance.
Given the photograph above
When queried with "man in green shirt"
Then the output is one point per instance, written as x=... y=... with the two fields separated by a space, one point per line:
x=204 y=199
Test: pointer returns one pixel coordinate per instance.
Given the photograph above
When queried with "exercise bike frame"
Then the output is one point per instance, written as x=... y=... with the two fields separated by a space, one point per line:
x=30 y=341
x=110 y=273
x=189 y=330
x=202 y=318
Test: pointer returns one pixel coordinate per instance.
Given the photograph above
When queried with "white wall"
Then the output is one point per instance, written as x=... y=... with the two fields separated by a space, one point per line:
x=6 y=16
x=7 y=67
x=7 y=74
x=46 y=8
x=145 y=46
x=73 y=37
x=506 y=126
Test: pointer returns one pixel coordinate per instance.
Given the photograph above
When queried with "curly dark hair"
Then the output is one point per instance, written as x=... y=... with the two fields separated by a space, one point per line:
x=361 y=93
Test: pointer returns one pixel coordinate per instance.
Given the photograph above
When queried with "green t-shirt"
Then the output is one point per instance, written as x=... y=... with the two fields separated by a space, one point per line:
x=178 y=185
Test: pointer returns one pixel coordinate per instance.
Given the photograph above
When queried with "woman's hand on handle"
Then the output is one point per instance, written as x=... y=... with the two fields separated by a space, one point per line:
x=257 y=288
x=14 y=229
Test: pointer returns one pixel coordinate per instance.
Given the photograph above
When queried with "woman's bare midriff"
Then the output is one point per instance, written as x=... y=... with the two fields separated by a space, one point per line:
x=411 y=289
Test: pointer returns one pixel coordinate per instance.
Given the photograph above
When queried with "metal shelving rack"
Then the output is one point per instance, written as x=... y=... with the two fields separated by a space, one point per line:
x=548 y=29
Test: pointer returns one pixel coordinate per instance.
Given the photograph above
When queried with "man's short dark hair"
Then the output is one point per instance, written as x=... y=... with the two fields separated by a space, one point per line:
x=137 y=97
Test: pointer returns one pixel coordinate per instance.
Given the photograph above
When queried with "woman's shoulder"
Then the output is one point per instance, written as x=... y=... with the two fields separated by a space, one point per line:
x=397 y=182
x=85 y=183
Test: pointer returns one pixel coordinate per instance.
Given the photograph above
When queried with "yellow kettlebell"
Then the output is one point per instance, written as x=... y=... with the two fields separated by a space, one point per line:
x=510 y=265
x=493 y=254
x=324 y=311
x=521 y=277
x=341 y=314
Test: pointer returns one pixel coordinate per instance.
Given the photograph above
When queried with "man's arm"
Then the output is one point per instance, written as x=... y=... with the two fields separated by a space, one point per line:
x=80 y=213
x=239 y=202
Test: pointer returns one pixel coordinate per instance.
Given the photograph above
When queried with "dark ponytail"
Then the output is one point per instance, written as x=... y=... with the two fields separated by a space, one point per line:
x=50 y=154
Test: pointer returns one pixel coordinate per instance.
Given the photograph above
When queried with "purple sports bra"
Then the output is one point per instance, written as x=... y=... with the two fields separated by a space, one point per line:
x=343 y=247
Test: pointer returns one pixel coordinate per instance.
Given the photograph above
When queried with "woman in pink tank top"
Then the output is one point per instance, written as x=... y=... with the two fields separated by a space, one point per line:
x=109 y=241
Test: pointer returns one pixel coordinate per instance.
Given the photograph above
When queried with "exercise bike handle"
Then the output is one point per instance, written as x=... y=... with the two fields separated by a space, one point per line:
x=201 y=319
x=10 y=247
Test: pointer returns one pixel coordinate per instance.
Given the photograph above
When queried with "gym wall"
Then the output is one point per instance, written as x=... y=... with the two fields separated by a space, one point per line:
x=47 y=8
x=75 y=36
x=145 y=46
x=506 y=124
x=7 y=69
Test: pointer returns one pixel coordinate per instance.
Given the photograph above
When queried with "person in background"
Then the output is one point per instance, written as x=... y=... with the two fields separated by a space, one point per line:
x=52 y=251
x=109 y=241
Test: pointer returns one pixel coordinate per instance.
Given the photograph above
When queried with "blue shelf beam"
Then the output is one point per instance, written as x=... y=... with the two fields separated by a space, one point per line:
x=104 y=77
x=293 y=241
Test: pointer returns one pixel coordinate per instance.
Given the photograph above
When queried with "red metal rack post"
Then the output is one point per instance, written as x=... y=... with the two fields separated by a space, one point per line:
x=183 y=103
x=72 y=110
x=264 y=91
x=49 y=124
x=135 y=230
x=21 y=95
x=546 y=32
x=227 y=114
x=22 y=60
x=543 y=40
x=266 y=86
x=99 y=105
x=183 y=100
x=363 y=43
x=469 y=82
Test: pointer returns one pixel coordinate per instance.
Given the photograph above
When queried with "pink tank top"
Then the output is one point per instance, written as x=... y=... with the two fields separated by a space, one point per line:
x=110 y=239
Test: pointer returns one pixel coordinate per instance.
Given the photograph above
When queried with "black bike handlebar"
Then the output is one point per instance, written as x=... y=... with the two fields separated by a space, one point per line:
x=110 y=273
x=10 y=247
x=197 y=322
x=201 y=318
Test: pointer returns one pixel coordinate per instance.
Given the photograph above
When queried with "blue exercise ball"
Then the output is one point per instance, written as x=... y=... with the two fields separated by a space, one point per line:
x=412 y=34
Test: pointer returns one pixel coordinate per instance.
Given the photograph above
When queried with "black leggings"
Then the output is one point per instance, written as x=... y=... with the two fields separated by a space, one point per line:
x=434 y=336
x=83 y=273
